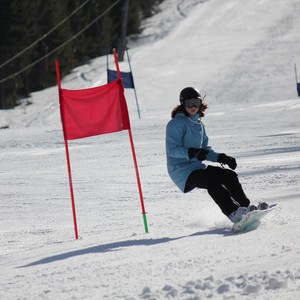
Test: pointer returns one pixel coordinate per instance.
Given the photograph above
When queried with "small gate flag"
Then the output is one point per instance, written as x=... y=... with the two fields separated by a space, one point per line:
x=126 y=77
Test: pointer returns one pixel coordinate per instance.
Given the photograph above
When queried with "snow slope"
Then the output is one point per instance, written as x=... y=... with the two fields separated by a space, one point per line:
x=241 y=54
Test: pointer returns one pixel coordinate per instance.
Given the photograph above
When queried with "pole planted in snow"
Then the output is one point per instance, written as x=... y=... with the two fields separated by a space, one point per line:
x=297 y=83
x=134 y=156
x=67 y=152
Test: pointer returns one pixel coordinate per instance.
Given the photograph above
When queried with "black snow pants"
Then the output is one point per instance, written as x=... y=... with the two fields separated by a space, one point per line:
x=222 y=185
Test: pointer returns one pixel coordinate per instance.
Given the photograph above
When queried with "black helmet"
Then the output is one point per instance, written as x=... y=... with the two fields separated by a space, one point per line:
x=189 y=93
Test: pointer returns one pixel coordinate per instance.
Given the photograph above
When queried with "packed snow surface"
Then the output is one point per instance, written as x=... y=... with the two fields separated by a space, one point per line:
x=239 y=53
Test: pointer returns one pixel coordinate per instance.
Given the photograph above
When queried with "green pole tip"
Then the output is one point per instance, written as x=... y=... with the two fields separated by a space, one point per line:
x=145 y=223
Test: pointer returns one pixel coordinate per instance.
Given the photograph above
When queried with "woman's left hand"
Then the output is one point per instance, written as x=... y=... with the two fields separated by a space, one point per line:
x=227 y=160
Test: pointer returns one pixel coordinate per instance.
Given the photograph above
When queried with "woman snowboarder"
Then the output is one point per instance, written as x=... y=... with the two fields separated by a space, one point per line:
x=187 y=148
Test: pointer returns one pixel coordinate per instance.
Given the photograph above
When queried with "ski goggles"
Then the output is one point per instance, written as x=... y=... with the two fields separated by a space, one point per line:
x=195 y=102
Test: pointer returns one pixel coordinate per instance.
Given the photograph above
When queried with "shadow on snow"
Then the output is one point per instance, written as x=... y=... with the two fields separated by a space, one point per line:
x=123 y=244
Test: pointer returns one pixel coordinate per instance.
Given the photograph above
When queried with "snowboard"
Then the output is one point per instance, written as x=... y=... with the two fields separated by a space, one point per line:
x=251 y=220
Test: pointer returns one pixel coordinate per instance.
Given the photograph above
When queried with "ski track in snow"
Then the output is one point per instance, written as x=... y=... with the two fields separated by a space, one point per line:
x=241 y=54
x=241 y=286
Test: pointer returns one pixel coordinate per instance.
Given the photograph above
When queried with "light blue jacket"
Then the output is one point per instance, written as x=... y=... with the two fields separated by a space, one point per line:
x=182 y=133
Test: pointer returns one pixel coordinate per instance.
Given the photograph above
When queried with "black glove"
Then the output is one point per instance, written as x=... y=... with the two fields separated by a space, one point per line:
x=227 y=160
x=198 y=153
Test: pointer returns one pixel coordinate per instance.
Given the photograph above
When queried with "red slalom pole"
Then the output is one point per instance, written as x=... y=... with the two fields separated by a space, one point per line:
x=144 y=213
x=134 y=156
x=67 y=151
x=71 y=190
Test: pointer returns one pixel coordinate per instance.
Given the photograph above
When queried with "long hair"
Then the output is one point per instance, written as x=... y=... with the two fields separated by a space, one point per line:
x=181 y=109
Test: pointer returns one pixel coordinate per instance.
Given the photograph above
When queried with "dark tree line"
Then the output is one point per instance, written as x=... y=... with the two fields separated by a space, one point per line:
x=24 y=22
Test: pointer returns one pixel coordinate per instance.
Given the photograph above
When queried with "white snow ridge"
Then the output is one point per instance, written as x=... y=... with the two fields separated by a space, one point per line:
x=241 y=54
